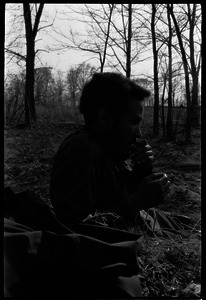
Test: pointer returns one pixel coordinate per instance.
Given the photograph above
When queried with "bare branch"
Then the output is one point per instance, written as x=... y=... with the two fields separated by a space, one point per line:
x=15 y=53
x=46 y=26
x=42 y=50
x=118 y=59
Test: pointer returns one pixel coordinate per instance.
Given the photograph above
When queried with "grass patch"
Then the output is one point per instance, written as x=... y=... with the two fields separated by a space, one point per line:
x=168 y=266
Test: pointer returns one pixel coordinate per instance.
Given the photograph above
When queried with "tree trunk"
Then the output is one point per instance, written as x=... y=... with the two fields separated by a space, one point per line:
x=169 y=125
x=195 y=118
x=128 y=68
x=163 y=108
x=187 y=84
x=195 y=109
x=156 y=83
x=30 y=110
x=102 y=61
x=30 y=56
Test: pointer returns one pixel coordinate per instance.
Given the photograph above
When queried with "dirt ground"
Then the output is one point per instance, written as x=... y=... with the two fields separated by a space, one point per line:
x=182 y=164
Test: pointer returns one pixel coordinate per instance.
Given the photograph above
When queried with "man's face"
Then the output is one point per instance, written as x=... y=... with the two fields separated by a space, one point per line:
x=127 y=128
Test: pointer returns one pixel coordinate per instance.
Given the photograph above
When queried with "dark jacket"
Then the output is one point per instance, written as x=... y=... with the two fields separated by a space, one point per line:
x=85 y=177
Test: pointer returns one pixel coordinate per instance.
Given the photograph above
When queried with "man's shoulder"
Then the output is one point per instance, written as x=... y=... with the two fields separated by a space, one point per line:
x=79 y=141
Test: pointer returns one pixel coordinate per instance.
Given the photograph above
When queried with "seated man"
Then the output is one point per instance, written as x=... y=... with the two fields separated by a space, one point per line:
x=44 y=257
x=89 y=171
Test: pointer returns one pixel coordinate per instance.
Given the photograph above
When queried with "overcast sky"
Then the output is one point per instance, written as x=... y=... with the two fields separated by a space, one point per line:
x=64 y=60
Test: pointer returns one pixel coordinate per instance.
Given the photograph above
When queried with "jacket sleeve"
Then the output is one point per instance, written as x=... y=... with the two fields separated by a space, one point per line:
x=73 y=182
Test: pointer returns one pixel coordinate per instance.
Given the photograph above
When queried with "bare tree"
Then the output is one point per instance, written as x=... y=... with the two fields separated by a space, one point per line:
x=30 y=111
x=43 y=81
x=186 y=70
x=106 y=33
x=194 y=63
x=162 y=86
x=122 y=38
x=128 y=53
x=155 y=70
x=14 y=98
x=28 y=26
x=94 y=38
x=128 y=38
x=14 y=35
x=111 y=33
x=169 y=124
x=59 y=87
x=163 y=101
x=191 y=61
x=76 y=78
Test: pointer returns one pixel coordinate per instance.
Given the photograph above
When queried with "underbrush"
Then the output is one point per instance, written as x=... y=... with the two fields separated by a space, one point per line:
x=57 y=113
x=169 y=264
x=170 y=267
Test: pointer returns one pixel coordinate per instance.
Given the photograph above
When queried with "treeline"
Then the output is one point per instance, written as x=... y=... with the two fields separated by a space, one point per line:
x=51 y=91
x=119 y=36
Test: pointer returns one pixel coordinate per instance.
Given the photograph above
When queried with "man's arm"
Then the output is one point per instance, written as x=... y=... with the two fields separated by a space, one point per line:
x=152 y=191
x=72 y=183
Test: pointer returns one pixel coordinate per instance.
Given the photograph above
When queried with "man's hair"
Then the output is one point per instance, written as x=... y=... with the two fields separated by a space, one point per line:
x=110 y=91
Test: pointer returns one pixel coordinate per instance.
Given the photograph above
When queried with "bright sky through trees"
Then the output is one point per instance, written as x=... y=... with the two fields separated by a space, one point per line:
x=62 y=19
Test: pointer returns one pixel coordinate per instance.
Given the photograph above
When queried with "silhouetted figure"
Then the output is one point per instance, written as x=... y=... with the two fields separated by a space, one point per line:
x=91 y=169
x=105 y=166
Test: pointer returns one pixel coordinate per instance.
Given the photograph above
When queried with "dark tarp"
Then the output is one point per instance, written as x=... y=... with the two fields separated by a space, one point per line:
x=75 y=260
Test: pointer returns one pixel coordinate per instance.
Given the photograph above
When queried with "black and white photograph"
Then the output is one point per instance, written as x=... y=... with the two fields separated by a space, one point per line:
x=102 y=150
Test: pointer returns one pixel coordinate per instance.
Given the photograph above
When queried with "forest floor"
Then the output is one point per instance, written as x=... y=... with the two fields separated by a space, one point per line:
x=168 y=266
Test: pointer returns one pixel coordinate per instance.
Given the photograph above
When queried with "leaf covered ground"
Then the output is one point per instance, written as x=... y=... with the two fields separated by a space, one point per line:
x=168 y=266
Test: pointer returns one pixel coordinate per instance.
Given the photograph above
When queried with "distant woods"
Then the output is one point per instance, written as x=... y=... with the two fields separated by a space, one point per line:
x=118 y=36
x=56 y=97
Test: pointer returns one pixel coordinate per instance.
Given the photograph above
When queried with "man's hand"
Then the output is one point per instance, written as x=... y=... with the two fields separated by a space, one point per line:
x=142 y=157
x=154 y=190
